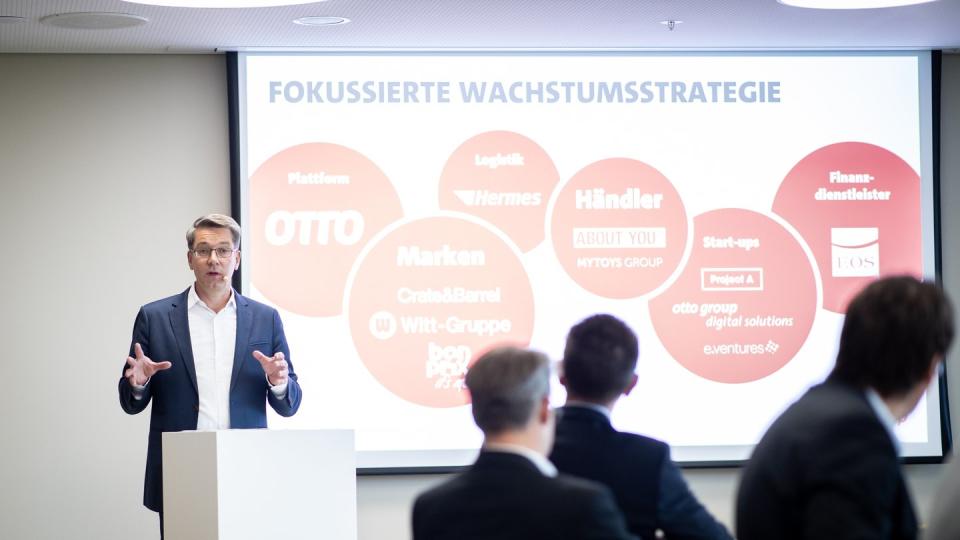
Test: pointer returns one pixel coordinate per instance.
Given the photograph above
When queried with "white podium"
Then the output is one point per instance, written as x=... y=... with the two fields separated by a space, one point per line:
x=258 y=483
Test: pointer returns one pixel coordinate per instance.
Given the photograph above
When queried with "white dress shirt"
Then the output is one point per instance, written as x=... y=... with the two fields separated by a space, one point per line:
x=213 y=338
x=886 y=417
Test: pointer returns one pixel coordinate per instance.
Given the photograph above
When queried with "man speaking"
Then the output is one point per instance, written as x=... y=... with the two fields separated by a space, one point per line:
x=208 y=358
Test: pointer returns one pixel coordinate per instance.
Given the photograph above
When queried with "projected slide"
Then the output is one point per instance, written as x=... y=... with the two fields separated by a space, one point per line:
x=406 y=213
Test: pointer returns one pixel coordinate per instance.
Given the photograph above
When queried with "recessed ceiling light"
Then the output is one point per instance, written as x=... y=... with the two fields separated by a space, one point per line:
x=851 y=4
x=321 y=21
x=10 y=19
x=94 y=20
x=223 y=3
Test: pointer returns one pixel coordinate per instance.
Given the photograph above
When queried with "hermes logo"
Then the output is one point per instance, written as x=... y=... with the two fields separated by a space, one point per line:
x=855 y=251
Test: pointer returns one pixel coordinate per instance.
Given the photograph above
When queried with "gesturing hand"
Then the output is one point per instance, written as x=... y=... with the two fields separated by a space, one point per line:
x=274 y=366
x=142 y=368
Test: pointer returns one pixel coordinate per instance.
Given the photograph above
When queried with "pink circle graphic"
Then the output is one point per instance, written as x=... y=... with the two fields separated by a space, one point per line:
x=745 y=302
x=619 y=228
x=313 y=208
x=857 y=206
x=504 y=178
x=430 y=297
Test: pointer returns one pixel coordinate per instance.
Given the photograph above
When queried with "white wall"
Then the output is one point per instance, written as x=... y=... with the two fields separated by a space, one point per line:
x=104 y=161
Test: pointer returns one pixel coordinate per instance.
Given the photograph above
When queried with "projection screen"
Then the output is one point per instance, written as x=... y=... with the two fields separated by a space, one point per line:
x=406 y=212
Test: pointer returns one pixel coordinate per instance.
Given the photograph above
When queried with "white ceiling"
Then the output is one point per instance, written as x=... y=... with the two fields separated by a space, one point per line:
x=457 y=24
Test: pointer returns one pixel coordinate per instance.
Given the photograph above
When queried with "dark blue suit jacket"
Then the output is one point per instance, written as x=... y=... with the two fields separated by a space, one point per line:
x=162 y=330
x=648 y=487
x=826 y=468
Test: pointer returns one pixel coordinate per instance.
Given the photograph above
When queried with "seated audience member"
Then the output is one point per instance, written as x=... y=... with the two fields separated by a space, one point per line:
x=828 y=466
x=512 y=491
x=598 y=367
x=944 y=521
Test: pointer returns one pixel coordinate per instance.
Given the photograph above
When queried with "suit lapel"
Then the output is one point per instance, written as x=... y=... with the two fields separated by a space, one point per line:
x=181 y=331
x=244 y=322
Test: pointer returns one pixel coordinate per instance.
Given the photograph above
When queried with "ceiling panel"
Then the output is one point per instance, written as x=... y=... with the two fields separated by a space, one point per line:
x=457 y=24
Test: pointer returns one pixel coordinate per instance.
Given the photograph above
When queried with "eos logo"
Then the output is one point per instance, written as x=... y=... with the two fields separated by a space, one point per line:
x=855 y=251
x=343 y=227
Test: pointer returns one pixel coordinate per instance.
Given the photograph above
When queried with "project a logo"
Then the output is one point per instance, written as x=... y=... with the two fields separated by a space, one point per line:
x=855 y=251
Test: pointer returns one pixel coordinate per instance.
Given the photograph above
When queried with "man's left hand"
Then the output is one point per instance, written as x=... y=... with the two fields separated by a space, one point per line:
x=274 y=366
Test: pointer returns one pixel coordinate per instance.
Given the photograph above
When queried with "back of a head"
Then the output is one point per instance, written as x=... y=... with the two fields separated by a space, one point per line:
x=506 y=384
x=599 y=358
x=894 y=330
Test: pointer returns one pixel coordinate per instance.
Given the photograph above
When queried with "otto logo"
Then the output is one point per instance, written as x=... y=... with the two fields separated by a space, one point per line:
x=855 y=251
x=383 y=325
x=344 y=227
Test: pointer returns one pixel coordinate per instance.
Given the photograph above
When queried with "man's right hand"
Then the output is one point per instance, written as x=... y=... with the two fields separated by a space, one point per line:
x=142 y=368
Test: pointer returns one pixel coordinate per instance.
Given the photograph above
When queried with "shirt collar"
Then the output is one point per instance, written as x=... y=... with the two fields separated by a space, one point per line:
x=886 y=417
x=587 y=405
x=541 y=462
x=193 y=299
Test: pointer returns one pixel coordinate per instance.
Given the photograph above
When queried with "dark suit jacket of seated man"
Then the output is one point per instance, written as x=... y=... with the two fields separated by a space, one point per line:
x=599 y=361
x=505 y=496
x=828 y=467
x=512 y=492
x=648 y=486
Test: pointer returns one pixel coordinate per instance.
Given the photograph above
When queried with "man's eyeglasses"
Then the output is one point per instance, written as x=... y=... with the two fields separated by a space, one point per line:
x=205 y=252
